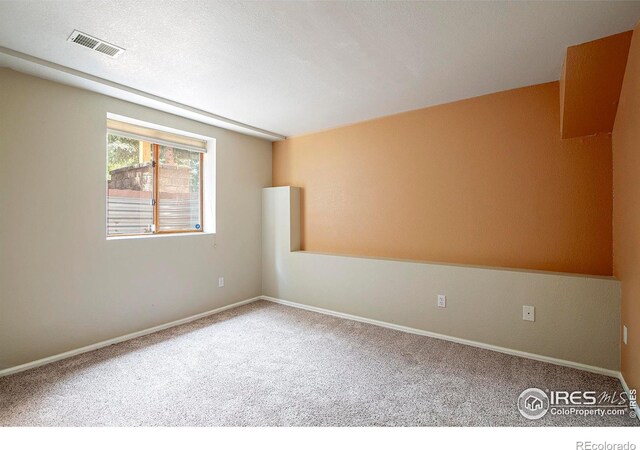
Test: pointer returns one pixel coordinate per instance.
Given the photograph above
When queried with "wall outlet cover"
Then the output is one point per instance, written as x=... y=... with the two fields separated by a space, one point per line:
x=221 y=282
x=529 y=313
x=624 y=334
x=442 y=301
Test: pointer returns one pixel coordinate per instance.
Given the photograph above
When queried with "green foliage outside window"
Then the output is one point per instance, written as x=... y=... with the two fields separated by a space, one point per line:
x=122 y=152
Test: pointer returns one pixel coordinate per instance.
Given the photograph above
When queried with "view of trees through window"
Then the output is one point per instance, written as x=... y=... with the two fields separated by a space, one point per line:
x=152 y=188
x=122 y=152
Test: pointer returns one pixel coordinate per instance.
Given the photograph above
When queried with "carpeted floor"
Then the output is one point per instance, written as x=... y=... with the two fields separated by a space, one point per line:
x=265 y=364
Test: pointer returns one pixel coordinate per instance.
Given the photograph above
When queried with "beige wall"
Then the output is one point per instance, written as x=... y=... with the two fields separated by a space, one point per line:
x=577 y=317
x=484 y=181
x=626 y=210
x=62 y=285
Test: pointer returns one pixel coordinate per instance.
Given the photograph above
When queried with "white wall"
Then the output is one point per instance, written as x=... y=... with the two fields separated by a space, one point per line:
x=577 y=317
x=62 y=284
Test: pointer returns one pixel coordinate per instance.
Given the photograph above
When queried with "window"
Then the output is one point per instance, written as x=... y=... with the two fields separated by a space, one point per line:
x=154 y=181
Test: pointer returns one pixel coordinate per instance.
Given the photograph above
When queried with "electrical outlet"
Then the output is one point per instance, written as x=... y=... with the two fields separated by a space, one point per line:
x=529 y=313
x=442 y=301
x=220 y=282
x=624 y=334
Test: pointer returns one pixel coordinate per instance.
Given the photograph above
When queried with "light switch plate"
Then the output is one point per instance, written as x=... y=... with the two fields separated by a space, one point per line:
x=220 y=282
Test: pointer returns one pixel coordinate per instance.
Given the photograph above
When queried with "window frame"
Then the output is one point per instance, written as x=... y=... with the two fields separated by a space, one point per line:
x=156 y=193
x=155 y=159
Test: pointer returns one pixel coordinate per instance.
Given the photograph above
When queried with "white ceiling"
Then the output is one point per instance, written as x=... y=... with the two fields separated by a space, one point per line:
x=297 y=67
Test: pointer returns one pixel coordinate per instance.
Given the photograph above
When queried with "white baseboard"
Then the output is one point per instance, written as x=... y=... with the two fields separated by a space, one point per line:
x=88 y=348
x=126 y=337
x=495 y=348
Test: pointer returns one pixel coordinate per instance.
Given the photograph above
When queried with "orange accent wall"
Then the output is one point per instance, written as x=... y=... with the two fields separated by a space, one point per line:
x=484 y=181
x=590 y=85
x=626 y=210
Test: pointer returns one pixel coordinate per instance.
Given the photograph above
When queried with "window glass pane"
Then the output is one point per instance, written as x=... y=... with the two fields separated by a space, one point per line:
x=178 y=190
x=129 y=186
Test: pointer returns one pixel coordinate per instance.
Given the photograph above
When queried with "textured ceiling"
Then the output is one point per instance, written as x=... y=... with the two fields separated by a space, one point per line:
x=297 y=67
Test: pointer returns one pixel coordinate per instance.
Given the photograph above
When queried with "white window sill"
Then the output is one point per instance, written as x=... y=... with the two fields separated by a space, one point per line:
x=160 y=235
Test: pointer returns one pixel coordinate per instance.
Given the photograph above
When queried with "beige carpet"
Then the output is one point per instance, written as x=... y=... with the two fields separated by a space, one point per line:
x=266 y=364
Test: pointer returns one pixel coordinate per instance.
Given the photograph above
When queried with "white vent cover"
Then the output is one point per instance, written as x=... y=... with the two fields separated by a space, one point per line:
x=96 y=44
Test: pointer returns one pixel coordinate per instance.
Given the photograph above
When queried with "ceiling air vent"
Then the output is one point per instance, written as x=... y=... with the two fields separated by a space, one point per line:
x=96 y=44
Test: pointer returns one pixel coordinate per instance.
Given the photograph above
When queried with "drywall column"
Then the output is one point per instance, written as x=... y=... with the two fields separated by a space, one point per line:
x=577 y=317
